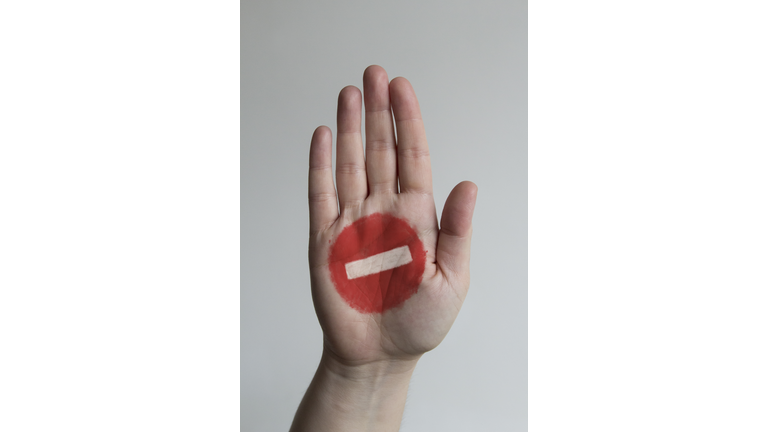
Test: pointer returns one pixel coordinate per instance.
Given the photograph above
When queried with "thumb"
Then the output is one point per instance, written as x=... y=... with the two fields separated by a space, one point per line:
x=456 y=231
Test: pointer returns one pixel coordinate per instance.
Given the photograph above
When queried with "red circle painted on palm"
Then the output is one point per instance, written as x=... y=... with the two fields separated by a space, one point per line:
x=377 y=263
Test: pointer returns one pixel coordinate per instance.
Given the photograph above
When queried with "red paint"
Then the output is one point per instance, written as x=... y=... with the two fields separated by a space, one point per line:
x=369 y=236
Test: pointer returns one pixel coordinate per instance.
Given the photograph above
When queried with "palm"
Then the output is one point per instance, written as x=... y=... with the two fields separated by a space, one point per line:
x=368 y=185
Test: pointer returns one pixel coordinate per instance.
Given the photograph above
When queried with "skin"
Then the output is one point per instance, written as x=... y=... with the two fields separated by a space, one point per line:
x=362 y=380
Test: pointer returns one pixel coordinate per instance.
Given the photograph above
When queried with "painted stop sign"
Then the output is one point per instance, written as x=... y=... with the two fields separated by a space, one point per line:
x=377 y=263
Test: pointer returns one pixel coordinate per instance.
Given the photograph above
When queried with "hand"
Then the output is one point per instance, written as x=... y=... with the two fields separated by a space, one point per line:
x=379 y=315
x=382 y=328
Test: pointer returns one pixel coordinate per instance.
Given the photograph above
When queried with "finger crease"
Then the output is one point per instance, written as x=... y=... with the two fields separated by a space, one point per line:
x=321 y=197
x=379 y=145
x=350 y=168
x=414 y=153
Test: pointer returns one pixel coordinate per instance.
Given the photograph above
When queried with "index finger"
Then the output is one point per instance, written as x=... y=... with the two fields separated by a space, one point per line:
x=413 y=166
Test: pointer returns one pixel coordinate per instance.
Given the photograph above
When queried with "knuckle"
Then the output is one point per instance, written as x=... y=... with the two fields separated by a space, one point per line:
x=352 y=203
x=350 y=168
x=382 y=184
x=321 y=197
x=425 y=192
x=415 y=152
x=378 y=145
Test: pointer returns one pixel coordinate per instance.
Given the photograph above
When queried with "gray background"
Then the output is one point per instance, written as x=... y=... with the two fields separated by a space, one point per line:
x=468 y=64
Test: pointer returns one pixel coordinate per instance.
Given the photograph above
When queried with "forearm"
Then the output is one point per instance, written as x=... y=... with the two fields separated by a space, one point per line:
x=368 y=397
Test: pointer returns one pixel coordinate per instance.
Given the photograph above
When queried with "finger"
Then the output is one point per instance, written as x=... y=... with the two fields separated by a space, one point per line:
x=456 y=231
x=380 y=151
x=323 y=209
x=414 y=171
x=350 y=161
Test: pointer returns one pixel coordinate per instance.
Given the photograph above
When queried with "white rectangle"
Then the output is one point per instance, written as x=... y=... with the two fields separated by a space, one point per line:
x=379 y=262
x=671 y=269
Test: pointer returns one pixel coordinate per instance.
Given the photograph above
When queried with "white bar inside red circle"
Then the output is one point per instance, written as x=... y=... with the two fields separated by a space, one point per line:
x=379 y=262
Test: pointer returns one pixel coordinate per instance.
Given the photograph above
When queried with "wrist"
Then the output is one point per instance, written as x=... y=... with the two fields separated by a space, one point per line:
x=355 y=397
x=372 y=373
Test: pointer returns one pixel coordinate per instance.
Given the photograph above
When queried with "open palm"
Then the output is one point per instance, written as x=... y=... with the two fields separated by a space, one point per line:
x=368 y=185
